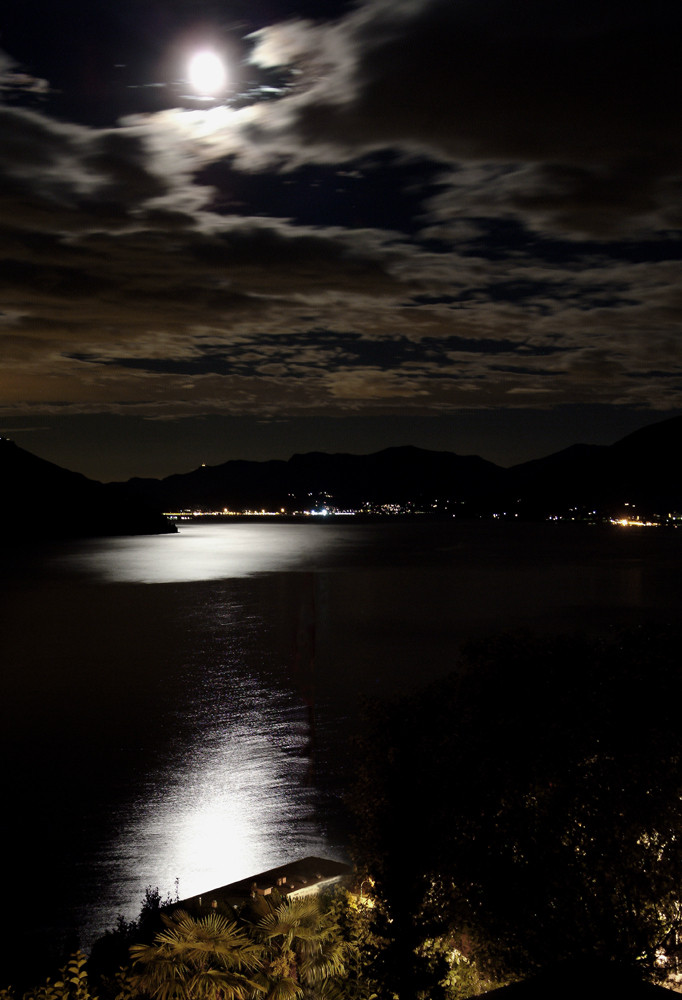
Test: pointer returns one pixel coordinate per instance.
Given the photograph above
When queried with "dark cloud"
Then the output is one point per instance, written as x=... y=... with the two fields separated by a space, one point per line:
x=439 y=207
x=585 y=98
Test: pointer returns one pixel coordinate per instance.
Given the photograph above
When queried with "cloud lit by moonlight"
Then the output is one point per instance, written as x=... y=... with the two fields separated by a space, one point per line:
x=207 y=73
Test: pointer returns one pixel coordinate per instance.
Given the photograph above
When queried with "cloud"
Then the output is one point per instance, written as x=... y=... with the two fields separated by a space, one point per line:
x=550 y=141
x=14 y=81
x=580 y=102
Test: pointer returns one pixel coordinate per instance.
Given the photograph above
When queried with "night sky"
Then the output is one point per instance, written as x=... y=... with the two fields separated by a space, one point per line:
x=447 y=223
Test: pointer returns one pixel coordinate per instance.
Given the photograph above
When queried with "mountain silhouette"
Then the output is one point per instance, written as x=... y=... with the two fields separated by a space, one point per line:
x=42 y=500
x=395 y=475
x=641 y=468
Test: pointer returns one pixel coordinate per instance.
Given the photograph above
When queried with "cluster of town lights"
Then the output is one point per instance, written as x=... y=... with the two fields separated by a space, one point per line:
x=393 y=509
x=628 y=523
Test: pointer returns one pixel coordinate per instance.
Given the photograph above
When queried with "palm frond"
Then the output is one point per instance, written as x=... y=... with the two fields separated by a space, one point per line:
x=199 y=958
x=284 y=989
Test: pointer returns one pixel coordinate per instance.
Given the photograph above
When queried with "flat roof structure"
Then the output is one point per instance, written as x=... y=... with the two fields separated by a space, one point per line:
x=295 y=879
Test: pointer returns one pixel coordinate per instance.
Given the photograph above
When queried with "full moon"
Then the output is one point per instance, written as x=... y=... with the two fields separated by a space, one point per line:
x=207 y=73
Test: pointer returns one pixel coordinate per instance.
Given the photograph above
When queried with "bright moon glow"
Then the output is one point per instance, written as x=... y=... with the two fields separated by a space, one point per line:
x=207 y=73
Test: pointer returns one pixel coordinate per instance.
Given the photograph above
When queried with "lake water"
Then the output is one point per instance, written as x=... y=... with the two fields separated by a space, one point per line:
x=178 y=707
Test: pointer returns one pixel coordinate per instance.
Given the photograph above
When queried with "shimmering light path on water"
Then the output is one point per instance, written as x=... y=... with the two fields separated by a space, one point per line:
x=179 y=706
x=206 y=552
x=226 y=807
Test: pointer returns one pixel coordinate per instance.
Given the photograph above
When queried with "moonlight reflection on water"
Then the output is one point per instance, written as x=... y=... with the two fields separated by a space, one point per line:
x=203 y=552
x=178 y=706
x=226 y=808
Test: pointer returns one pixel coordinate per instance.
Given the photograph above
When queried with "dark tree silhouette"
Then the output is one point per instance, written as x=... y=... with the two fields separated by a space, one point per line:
x=528 y=807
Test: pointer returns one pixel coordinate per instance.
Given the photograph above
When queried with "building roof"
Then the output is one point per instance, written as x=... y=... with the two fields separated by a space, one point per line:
x=294 y=878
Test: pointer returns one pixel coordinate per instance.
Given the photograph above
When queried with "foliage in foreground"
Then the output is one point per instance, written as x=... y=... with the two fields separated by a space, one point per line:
x=280 y=948
x=526 y=810
x=301 y=951
x=72 y=983
x=199 y=958
x=112 y=950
